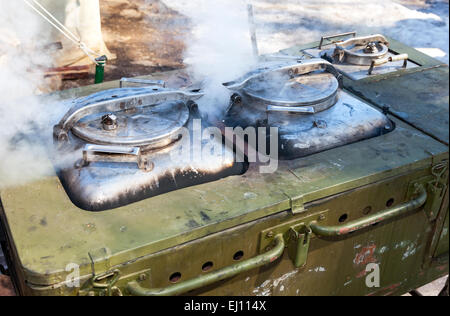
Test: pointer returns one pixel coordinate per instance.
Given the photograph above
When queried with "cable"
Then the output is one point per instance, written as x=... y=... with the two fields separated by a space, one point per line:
x=63 y=29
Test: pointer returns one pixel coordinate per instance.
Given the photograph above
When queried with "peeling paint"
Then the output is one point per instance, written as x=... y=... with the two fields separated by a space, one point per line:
x=410 y=251
x=365 y=256
x=266 y=288
x=320 y=269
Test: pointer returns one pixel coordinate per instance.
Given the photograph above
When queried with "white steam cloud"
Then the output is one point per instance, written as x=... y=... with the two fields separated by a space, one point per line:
x=23 y=117
x=219 y=48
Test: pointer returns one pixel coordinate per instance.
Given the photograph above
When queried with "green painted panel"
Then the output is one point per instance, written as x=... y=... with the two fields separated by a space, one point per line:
x=50 y=232
x=419 y=98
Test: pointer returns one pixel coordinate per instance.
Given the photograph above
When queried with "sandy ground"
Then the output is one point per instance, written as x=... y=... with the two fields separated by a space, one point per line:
x=148 y=36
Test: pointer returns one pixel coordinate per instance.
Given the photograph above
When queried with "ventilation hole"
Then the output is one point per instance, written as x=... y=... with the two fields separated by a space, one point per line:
x=207 y=266
x=390 y=202
x=343 y=218
x=238 y=255
x=367 y=210
x=174 y=278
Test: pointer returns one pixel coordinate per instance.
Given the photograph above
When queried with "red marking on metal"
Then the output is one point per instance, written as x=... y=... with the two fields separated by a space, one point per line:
x=365 y=256
x=361 y=274
x=441 y=268
x=390 y=288
x=273 y=259
x=344 y=231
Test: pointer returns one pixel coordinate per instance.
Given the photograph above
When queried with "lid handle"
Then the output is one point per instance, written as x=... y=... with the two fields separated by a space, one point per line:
x=101 y=153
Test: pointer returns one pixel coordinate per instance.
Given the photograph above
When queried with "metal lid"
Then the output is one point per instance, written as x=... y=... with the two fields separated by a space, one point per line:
x=143 y=117
x=308 y=86
x=150 y=126
x=362 y=50
x=309 y=89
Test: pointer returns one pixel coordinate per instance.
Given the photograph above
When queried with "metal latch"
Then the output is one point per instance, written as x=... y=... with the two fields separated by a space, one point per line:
x=297 y=235
x=298 y=245
x=103 y=276
x=436 y=186
x=297 y=204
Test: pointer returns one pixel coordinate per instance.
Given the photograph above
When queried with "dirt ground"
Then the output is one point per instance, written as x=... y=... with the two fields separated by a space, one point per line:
x=147 y=36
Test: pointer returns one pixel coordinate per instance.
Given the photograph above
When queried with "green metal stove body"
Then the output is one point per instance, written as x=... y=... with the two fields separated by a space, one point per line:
x=318 y=226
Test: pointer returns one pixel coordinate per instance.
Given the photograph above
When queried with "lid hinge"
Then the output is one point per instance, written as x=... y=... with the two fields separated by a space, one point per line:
x=297 y=204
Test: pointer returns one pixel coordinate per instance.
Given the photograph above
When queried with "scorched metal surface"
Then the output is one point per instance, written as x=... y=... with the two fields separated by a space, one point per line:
x=162 y=245
x=125 y=140
x=304 y=102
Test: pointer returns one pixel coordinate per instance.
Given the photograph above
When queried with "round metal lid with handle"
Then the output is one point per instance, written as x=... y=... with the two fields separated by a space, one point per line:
x=149 y=126
x=307 y=87
x=362 y=50
x=139 y=117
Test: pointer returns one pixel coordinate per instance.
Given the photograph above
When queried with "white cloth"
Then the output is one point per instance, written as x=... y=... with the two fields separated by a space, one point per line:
x=82 y=18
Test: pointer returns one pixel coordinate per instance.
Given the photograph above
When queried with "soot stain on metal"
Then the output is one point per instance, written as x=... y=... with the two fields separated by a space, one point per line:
x=205 y=216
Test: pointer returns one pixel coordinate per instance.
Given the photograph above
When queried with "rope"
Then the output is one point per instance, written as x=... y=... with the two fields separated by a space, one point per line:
x=63 y=29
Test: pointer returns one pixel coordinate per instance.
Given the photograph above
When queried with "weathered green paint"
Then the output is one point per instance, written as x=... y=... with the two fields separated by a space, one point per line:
x=385 y=215
x=210 y=278
x=420 y=98
x=181 y=230
x=442 y=246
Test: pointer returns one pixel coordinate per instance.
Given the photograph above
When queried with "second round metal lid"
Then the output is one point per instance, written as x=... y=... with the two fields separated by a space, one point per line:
x=309 y=89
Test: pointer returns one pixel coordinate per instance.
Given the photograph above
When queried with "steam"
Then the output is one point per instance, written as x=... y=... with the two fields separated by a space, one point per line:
x=219 y=48
x=23 y=116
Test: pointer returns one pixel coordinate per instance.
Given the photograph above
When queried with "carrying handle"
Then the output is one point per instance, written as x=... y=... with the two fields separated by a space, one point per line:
x=204 y=280
x=323 y=38
x=292 y=70
x=389 y=59
x=332 y=231
x=98 y=153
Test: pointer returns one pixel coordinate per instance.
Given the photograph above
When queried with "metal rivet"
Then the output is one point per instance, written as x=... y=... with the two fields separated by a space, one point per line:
x=269 y=235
